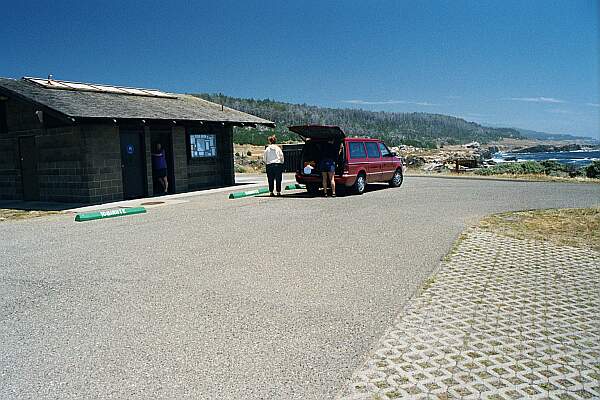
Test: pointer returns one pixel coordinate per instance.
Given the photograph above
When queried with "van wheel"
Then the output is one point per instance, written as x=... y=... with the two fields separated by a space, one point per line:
x=312 y=189
x=397 y=179
x=360 y=184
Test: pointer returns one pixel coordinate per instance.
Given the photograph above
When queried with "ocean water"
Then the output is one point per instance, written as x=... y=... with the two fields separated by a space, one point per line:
x=579 y=158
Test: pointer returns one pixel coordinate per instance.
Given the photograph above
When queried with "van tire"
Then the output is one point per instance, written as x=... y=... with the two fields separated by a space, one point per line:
x=360 y=184
x=397 y=178
x=313 y=188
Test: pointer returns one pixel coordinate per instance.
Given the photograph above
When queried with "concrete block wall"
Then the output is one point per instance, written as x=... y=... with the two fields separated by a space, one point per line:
x=58 y=156
x=102 y=165
x=203 y=174
x=60 y=167
x=10 y=172
x=21 y=121
x=20 y=116
x=180 y=159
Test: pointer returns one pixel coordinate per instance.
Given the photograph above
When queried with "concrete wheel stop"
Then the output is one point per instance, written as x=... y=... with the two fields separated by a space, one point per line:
x=294 y=186
x=239 y=195
x=117 y=212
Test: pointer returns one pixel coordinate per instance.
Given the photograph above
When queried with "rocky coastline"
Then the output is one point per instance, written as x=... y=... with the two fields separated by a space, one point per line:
x=548 y=148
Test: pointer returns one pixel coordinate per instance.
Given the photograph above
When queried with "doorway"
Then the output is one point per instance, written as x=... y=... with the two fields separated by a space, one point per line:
x=163 y=136
x=133 y=164
x=28 y=156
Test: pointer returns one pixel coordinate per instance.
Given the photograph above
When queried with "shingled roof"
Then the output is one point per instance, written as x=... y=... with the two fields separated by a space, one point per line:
x=81 y=104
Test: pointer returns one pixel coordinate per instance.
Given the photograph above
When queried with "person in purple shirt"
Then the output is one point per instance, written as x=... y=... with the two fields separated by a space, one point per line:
x=159 y=167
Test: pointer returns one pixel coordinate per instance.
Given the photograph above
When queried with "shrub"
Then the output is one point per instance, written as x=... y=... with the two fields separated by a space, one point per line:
x=551 y=166
x=521 y=168
x=248 y=153
x=547 y=167
x=593 y=170
x=531 y=167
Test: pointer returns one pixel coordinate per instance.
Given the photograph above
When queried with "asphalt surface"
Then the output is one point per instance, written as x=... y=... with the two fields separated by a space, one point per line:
x=256 y=298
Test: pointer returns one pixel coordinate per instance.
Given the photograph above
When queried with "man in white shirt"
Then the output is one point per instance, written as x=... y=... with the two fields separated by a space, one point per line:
x=273 y=157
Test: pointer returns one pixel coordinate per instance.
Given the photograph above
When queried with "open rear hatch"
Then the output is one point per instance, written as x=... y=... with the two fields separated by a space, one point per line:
x=324 y=132
x=316 y=138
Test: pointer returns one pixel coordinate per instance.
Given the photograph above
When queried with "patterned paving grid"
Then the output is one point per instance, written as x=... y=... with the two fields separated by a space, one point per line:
x=503 y=319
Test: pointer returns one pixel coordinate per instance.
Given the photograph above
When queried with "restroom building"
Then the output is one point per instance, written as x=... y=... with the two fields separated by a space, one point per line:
x=89 y=143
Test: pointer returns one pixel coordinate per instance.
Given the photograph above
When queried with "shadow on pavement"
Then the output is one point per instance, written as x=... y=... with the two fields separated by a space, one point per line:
x=37 y=205
x=372 y=187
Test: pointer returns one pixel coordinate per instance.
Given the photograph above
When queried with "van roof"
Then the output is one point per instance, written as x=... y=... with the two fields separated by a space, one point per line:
x=363 y=139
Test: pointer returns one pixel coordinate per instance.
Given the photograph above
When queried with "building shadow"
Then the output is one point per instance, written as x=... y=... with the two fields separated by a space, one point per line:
x=38 y=205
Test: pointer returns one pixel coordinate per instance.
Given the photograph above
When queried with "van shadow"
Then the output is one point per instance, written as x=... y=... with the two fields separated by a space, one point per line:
x=371 y=188
x=375 y=187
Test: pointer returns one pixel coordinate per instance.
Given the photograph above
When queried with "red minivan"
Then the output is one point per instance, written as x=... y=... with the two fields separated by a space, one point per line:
x=361 y=160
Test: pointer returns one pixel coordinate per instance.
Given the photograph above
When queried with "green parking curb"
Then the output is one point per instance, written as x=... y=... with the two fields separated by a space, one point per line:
x=294 y=186
x=238 y=195
x=109 y=213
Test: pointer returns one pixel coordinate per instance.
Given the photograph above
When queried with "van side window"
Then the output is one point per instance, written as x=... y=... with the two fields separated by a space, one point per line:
x=372 y=149
x=384 y=150
x=357 y=150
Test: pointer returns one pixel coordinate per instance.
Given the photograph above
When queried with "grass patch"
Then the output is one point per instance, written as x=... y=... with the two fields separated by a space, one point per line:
x=427 y=284
x=516 y=177
x=577 y=227
x=8 y=214
x=454 y=248
x=541 y=178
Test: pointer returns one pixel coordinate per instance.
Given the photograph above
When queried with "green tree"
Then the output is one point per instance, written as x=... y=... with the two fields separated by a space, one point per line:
x=593 y=170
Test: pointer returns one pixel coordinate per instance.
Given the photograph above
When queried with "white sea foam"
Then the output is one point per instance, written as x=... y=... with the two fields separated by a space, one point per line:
x=500 y=157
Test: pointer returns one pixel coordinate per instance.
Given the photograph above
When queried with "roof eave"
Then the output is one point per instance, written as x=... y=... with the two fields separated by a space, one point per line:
x=42 y=107
x=174 y=120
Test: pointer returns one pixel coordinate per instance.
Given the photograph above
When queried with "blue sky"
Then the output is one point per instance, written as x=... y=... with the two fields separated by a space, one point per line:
x=530 y=64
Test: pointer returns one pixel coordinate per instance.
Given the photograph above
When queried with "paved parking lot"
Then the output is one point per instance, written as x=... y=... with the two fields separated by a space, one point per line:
x=244 y=299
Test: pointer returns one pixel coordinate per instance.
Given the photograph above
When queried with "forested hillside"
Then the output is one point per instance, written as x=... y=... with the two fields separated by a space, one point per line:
x=421 y=129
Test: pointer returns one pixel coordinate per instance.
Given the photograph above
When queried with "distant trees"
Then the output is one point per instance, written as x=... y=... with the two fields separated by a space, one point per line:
x=417 y=129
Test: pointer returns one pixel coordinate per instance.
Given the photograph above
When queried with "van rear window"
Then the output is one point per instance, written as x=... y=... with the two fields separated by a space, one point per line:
x=357 y=150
